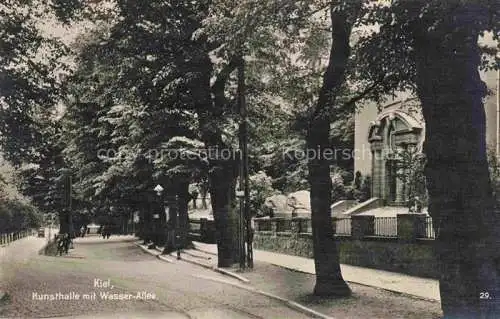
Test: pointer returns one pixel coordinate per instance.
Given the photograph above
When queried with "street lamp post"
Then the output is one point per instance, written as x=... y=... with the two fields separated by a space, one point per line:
x=50 y=224
x=245 y=218
x=174 y=238
x=241 y=229
x=159 y=191
x=155 y=232
x=177 y=231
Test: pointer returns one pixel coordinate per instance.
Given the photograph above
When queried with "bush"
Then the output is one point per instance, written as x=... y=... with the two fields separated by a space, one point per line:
x=365 y=191
x=338 y=188
x=5 y=219
x=16 y=215
x=260 y=189
x=345 y=186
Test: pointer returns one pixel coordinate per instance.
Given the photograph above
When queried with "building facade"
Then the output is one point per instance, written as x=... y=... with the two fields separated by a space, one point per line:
x=383 y=131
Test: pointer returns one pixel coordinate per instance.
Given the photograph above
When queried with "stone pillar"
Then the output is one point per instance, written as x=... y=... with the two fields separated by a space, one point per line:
x=274 y=226
x=376 y=147
x=295 y=226
x=362 y=226
x=380 y=173
x=410 y=226
x=374 y=187
x=399 y=198
x=256 y=224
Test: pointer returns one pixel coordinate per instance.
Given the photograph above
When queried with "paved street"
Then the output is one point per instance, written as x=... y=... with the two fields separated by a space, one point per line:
x=148 y=287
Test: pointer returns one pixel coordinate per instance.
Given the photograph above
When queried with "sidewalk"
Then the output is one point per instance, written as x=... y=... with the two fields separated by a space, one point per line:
x=291 y=279
x=375 y=294
x=21 y=250
x=410 y=285
x=18 y=252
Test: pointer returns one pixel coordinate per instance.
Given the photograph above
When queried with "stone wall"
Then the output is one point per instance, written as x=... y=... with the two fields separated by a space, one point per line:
x=411 y=257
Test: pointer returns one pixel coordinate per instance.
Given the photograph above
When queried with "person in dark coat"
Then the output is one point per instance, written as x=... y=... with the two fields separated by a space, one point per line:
x=108 y=232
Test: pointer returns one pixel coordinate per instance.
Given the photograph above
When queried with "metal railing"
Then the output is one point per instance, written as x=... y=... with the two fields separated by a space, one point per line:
x=427 y=229
x=382 y=226
x=386 y=226
x=342 y=226
x=265 y=225
x=202 y=229
x=305 y=226
x=283 y=225
x=7 y=238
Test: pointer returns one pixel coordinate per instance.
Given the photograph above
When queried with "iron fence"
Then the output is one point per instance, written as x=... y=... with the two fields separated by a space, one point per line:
x=386 y=226
x=283 y=225
x=264 y=224
x=202 y=230
x=305 y=226
x=383 y=226
x=426 y=229
x=342 y=226
x=7 y=238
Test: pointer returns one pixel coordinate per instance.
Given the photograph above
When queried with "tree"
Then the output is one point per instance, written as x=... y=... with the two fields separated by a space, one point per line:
x=180 y=167
x=293 y=37
x=29 y=93
x=410 y=165
x=329 y=280
x=434 y=48
x=29 y=85
x=175 y=74
x=461 y=204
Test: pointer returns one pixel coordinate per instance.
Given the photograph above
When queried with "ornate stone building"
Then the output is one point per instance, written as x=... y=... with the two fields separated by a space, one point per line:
x=399 y=127
x=383 y=131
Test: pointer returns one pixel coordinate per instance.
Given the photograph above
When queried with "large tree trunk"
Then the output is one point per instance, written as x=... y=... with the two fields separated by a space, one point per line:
x=222 y=170
x=64 y=221
x=329 y=280
x=147 y=225
x=222 y=183
x=460 y=194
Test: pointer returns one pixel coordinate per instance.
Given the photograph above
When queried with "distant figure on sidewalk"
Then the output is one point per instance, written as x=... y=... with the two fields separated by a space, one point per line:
x=82 y=231
x=106 y=231
x=63 y=243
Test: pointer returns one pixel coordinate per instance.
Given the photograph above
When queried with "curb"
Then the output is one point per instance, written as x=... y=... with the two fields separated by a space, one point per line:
x=165 y=259
x=216 y=269
x=289 y=303
x=195 y=262
x=198 y=256
x=202 y=250
x=145 y=249
x=349 y=281
x=157 y=255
